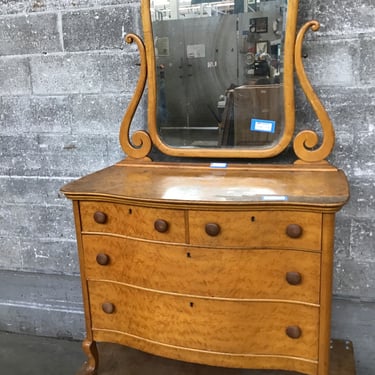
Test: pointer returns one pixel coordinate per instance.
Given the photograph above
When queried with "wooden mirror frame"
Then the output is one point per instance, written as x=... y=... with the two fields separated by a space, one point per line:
x=306 y=143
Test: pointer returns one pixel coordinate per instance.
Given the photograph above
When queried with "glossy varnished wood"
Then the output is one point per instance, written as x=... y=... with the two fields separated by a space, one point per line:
x=227 y=267
x=133 y=221
x=272 y=186
x=192 y=323
x=256 y=229
x=260 y=274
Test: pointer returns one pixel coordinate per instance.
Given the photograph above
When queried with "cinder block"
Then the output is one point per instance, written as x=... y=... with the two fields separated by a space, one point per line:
x=65 y=74
x=50 y=255
x=362 y=199
x=101 y=114
x=362 y=244
x=99 y=28
x=364 y=152
x=59 y=156
x=351 y=16
x=355 y=279
x=83 y=73
x=33 y=190
x=37 y=114
x=14 y=76
x=119 y=71
x=10 y=251
x=28 y=34
x=332 y=62
x=367 y=58
x=27 y=221
x=342 y=236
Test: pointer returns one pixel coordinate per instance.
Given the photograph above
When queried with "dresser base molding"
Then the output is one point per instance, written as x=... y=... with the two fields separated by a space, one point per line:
x=114 y=359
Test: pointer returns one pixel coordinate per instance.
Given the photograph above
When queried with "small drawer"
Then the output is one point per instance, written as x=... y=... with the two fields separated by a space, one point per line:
x=237 y=274
x=133 y=221
x=256 y=229
x=258 y=328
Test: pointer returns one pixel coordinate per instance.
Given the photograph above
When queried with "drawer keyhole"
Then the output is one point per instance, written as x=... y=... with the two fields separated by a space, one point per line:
x=100 y=217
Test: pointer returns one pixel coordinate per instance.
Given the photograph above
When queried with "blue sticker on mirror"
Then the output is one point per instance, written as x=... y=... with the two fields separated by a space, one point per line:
x=266 y=126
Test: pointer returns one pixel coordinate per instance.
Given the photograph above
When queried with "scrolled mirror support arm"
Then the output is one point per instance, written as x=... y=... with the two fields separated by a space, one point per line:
x=140 y=145
x=306 y=141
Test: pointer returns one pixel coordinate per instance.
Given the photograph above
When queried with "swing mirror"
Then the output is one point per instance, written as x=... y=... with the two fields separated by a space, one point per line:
x=219 y=77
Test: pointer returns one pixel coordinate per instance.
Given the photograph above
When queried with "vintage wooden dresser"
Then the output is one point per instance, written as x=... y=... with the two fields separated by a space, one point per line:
x=225 y=266
x=218 y=263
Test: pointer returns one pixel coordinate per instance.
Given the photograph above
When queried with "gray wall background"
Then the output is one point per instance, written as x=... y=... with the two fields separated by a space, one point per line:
x=66 y=77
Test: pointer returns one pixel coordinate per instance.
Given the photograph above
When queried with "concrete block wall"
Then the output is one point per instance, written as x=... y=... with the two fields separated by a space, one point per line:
x=66 y=77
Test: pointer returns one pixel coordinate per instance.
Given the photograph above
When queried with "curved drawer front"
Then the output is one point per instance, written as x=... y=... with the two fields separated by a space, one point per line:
x=141 y=222
x=256 y=229
x=251 y=274
x=205 y=324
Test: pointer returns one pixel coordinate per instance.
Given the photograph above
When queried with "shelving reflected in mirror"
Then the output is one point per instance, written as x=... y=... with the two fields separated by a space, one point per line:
x=219 y=72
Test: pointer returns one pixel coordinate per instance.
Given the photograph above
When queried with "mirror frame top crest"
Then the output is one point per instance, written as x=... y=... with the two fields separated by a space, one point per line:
x=307 y=145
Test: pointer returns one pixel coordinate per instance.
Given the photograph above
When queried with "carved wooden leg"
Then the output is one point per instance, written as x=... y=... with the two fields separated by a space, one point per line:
x=91 y=366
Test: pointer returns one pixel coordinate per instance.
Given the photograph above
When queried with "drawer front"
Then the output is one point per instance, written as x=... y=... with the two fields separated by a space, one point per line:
x=251 y=274
x=257 y=229
x=147 y=223
x=206 y=324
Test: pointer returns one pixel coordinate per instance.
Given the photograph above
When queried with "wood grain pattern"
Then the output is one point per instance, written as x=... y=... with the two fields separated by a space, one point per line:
x=256 y=229
x=134 y=221
x=232 y=274
x=306 y=142
x=199 y=185
x=205 y=324
x=221 y=298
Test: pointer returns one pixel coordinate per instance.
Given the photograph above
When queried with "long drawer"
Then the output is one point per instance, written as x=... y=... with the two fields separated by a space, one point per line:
x=141 y=222
x=284 y=329
x=242 y=274
x=256 y=229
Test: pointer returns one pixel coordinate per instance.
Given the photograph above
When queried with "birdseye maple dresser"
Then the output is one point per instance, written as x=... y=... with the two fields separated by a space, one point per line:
x=230 y=267
x=220 y=263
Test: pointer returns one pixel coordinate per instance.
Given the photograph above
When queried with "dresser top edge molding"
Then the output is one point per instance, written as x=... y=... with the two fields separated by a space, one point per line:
x=198 y=184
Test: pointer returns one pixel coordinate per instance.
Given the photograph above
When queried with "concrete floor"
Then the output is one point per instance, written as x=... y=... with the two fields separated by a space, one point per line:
x=31 y=355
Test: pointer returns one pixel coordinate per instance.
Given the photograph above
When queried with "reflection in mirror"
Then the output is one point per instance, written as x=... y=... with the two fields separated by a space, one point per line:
x=219 y=68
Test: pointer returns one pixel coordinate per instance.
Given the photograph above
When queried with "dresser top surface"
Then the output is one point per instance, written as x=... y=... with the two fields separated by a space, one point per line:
x=209 y=183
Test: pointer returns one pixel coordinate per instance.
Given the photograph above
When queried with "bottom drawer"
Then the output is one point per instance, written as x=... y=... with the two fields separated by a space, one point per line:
x=218 y=325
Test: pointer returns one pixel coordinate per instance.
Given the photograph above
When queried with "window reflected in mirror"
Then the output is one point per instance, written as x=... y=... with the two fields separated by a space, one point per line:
x=219 y=69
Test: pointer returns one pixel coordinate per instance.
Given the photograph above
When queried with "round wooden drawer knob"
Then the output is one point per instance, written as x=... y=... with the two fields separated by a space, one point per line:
x=294 y=230
x=294 y=332
x=161 y=225
x=294 y=278
x=108 y=308
x=212 y=229
x=100 y=217
x=102 y=259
